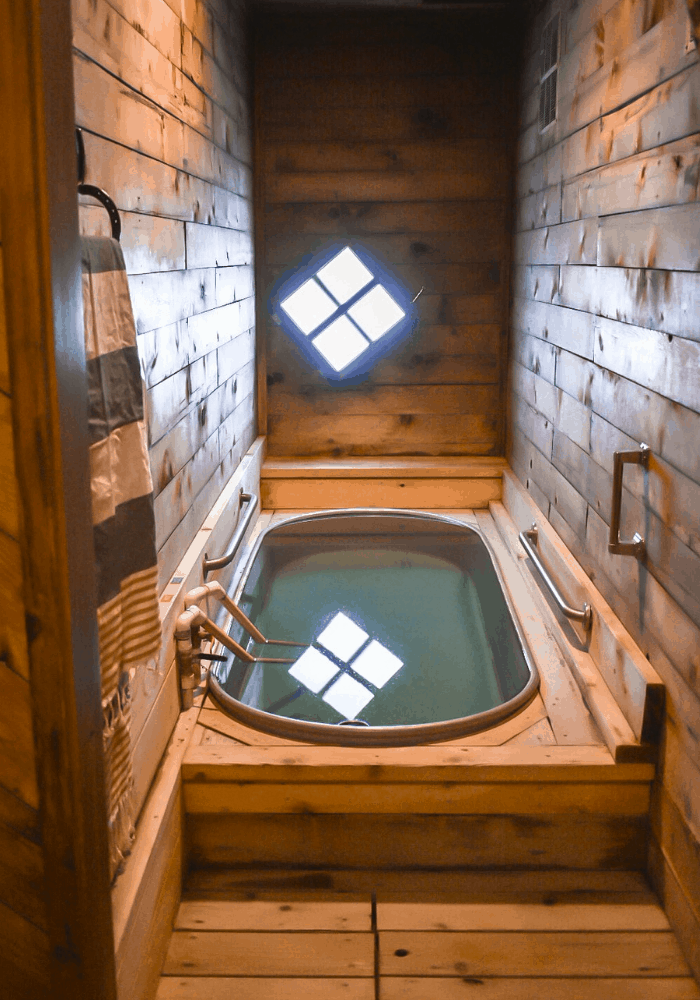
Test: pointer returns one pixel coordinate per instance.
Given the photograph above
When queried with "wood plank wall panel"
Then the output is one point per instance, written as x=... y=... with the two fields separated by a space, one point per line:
x=23 y=937
x=396 y=130
x=163 y=93
x=605 y=352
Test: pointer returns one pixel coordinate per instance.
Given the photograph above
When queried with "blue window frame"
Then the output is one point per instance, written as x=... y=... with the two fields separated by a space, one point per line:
x=344 y=309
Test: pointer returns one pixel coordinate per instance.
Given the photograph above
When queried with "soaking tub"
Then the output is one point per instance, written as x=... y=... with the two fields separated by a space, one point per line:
x=409 y=633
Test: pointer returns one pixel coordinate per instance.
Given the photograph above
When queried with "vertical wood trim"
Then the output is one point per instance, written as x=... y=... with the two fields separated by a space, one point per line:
x=694 y=12
x=259 y=244
x=47 y=369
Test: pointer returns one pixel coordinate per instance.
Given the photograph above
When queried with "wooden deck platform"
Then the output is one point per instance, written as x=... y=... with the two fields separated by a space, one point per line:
x=375 y=935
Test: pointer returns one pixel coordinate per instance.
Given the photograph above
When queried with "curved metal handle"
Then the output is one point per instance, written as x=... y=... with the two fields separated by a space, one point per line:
x=621 y=458
x=585 y=616
x=104 y=199
x=209 y=565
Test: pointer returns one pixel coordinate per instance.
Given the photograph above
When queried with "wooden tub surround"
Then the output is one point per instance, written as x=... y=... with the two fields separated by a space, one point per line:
x=566 y=783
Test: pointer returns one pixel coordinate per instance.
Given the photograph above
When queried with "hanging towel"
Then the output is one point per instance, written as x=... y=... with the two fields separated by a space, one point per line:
x=123 y=522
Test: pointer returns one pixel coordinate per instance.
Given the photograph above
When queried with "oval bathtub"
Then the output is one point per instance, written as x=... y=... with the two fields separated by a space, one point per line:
x=411 y=635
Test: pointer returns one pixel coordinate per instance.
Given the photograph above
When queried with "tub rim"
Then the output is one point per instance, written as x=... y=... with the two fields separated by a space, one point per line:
x=322 y=733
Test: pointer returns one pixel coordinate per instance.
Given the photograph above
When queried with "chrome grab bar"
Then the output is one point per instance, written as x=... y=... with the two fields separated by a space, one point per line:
x=585 y=616
x=637 y=546
x=209 y=565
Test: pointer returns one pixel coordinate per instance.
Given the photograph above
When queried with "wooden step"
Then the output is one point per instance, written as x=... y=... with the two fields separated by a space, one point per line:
x=442 y=807
x=402 y=482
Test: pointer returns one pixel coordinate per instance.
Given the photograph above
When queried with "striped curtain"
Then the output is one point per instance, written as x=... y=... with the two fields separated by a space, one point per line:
x=122 y=514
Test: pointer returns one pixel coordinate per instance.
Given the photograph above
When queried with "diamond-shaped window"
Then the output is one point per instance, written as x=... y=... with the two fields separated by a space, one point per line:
x=347 y=307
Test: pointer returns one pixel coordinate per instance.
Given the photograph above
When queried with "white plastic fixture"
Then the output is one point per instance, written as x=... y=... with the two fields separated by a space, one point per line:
x=342 y=637
x=309 y=306
x=376 y=312
x=347 y=696
x=377 y=664
x=313 y=669
x=345 y=275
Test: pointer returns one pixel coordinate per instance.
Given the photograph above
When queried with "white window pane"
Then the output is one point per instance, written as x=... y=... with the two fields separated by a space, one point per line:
x=342 y=636
x=348 y=696
x=376 y=312
x=376 y=664
x=345 y=275
x=313 y=669
x=340 y=343
x=309 y=306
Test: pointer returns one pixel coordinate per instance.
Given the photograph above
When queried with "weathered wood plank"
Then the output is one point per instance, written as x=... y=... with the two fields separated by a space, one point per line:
x=478 y=243
x=386 y=467
x=364 y=91
x=438 y=763
x=483 y=799
x=652 y=238
x=269 y=916
x=302 y=156
x=361 y=219
x=381 y=185
x=418 y=494
x=395 y=841
x=386 y=434
x=414 y=885
x=567 y=243
x=683 y=917
x=264 y=954
x=214 y=988
x=140 y=183
x=666 y=175
x=519 y=917
x=551 y=988
x=332 y=401
x=149 y=243
x=489 y=953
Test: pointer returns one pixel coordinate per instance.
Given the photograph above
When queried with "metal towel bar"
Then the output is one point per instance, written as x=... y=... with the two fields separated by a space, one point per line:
x=585 y=616
x=209 y=565
x=621 y=458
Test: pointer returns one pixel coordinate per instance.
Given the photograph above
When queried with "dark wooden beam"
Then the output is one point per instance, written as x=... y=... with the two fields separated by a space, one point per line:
x=42 y=278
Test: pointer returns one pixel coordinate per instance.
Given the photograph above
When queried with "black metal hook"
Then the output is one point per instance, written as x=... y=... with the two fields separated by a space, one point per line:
x=93 y=191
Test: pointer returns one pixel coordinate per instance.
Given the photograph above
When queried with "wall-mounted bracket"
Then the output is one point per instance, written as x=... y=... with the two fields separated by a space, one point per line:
x=637 y=546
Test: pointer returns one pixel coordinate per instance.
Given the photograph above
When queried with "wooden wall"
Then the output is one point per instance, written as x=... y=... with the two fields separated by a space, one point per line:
x=606 y=354
x=394 y=128
x=23 y=937
x=163 y=94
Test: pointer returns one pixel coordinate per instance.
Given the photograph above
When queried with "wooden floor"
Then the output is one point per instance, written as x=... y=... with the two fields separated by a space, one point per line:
x=242 y=935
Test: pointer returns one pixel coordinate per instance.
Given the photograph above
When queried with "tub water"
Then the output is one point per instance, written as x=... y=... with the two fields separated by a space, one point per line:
x=411 y=636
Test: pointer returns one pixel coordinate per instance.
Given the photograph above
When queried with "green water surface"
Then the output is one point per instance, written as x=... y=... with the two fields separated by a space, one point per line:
x=435 y=603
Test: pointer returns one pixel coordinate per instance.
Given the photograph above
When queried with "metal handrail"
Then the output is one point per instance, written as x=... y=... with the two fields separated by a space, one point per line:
x=637 y=546
x=586 y=615
x=209 y=565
